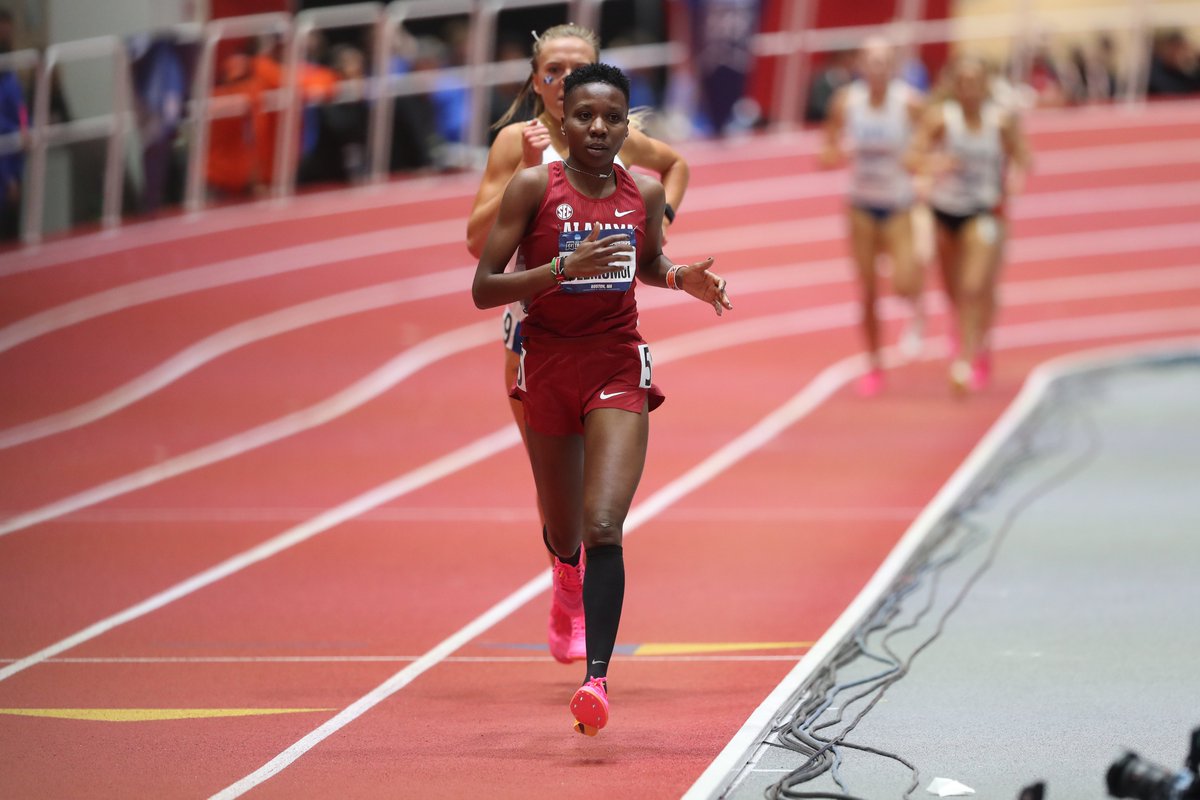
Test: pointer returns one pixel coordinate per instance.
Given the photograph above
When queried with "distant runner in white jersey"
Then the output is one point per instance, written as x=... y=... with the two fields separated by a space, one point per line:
x=870 y=123
x=977 y=155
x=557 y=52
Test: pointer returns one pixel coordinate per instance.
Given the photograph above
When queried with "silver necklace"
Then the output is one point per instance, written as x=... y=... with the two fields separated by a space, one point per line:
x=602 y=176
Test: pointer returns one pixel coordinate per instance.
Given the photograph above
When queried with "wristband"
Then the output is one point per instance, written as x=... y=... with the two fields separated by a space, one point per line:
x=558 y=268
x=669 y=213
x=672 y=281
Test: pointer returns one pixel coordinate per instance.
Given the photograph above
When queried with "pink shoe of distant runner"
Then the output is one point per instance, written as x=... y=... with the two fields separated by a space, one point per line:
x=590 y=706
x=871 y=383
x=981 y=371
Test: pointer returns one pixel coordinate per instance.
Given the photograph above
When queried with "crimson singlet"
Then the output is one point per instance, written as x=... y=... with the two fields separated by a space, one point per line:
x=602 y=305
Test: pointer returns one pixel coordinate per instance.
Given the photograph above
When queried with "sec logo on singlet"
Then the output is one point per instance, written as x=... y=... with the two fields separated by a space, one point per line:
x=564 y=211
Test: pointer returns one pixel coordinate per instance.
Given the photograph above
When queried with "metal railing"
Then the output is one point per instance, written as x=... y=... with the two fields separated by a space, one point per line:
x=368 y=15
x=793 y=45
x=390 y=87
x=114 y=126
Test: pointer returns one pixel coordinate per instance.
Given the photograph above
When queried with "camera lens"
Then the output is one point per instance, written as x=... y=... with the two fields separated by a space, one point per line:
x=1133 y=777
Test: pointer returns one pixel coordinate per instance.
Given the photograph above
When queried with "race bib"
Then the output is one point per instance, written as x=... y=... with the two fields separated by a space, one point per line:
x=619 y=280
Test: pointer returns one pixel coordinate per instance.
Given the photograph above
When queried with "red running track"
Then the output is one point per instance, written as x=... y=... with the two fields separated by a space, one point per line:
x=205 y=421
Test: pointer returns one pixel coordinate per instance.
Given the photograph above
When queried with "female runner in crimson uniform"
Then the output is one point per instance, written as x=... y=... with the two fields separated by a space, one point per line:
x=556 y=53
x=585 y=376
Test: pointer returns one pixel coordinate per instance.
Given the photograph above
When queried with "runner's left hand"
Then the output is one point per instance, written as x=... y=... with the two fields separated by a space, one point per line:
x=696 y=280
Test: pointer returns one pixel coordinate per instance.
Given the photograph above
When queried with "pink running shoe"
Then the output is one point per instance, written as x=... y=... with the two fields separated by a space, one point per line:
x=871 y=383
x=981 y=371
x=590 y=706
x=558 y=633
x=567 y=633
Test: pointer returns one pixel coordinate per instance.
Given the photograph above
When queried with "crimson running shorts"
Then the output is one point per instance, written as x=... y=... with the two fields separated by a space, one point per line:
x=561 y=381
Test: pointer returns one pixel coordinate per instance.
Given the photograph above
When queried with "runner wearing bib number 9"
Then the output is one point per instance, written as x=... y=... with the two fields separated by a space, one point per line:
x=588 y=231
x=519 y=145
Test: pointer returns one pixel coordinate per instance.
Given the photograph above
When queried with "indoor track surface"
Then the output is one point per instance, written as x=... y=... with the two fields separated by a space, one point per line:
x=266 y=525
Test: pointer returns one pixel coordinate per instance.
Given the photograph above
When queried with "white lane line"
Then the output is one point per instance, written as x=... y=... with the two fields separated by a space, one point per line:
x=395 y=195
x=410 y=191
x=482 y=448
x=737 y=753
x=458 y=514
x=343 y=304
x=807 y=186
x=355 y=301
x=721 y=196
x=460 y=459
x=538 y=659
x=825 y=384
x=1031 y=248
x=712 y=338
x=366 y=388
x=1111 y=117
x=224 y=273
x=451 y=281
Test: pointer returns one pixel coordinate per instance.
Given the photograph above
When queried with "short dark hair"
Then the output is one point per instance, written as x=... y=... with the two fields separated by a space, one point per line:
x=596 y=73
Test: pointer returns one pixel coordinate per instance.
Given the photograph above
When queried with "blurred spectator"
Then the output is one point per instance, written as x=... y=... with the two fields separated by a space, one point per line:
x=451 y=96
x=161 y=69
x=1173 y=65
x=913 y=71
x=413 y=133
x=1046 y=79
x=231 y=152
x=318 y=82
x=14 y=118
x=1096 y=70
x=267 y=73
x=503 y=94
x=836 y=73
x=641 y=84
x=340 y=150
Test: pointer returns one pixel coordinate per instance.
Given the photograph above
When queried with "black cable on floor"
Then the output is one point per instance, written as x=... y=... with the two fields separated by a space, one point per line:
x=799 y=734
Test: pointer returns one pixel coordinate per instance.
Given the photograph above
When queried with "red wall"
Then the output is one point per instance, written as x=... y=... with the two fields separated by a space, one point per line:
x=838 y=14
x=240 y=8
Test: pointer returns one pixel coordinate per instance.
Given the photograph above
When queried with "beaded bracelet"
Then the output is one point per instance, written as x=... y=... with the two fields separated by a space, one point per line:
x=672 y=281
x=558 y=268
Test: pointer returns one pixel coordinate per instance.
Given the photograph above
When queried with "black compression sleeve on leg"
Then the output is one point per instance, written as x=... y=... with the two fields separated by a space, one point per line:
x=603 y=594
x=573 y=561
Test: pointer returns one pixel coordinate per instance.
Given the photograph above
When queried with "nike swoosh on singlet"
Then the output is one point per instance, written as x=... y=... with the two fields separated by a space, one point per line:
x=623 y=213
x=604 y=396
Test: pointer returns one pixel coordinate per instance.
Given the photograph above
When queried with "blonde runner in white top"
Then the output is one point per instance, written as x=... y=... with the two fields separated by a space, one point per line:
x=879 y=138
x=974 y=185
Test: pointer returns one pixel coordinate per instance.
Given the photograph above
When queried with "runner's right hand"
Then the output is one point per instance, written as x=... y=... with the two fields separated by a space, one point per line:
x=596 y=256
x=535 y=138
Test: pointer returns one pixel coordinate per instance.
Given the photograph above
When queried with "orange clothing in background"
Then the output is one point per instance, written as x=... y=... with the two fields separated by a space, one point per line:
x=231 y=153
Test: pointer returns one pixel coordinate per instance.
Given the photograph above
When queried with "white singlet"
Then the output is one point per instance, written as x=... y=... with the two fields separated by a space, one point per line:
x=878 y=140
x=974 y=185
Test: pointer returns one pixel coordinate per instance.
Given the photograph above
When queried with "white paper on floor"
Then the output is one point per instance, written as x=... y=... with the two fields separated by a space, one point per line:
x=947 y=787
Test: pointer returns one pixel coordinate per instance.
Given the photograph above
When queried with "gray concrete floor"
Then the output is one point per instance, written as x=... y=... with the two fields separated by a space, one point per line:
x=1082 y=637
